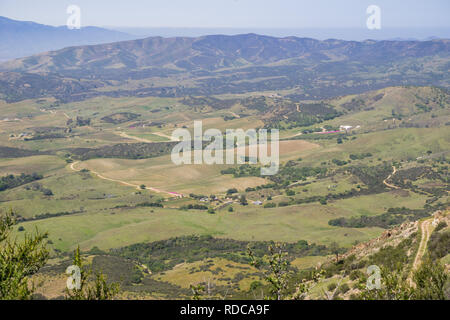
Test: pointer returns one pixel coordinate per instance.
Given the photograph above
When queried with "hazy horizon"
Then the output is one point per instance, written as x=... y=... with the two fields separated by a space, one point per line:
x=323 y=33
x=323 y=19
x=246 y=14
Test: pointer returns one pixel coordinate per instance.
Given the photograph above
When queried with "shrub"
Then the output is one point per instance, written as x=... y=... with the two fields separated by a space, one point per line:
x=356 y=274
x=255 y=285
x=47 y=192
x=231 y=191
x=290 y=192
x=243 y=200
x=344 y=288
x=439 y=245
x=331 y=286
x=441 y=225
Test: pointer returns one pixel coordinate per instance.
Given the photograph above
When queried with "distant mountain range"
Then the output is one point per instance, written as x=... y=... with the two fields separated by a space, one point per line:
x=24 y=38
x=219 y=64
x=219 y=51
x=350 y=34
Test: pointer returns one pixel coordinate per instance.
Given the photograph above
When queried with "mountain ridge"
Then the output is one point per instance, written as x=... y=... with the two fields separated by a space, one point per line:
x=220 y=64
x=215 y=52
x=25 y=38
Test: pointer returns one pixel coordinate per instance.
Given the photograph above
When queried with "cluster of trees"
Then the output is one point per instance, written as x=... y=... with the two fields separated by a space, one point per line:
x=212 y=102
x=439 y=244
x=244 y=170
x=310 y=114
x=373 y=176
x=393 y=216
x=194 y=206
x=163 y=255
x=47 y=215
x=287 y=173
x=120 y=117
x=125 y=151
x=291 y=172
x=156 y=204
x=12 y=181
x=360 y=156
x=8 y=152
x=323 y=199
x=405 y=178
x=36 y=186
x=339 y=162
x=19 y=260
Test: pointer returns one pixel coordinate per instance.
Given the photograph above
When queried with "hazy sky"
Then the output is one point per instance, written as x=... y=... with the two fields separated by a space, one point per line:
x=232 y=13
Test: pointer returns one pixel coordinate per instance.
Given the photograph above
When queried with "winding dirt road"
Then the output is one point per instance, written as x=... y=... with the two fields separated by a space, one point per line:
x=176 y=194
x=394 y=170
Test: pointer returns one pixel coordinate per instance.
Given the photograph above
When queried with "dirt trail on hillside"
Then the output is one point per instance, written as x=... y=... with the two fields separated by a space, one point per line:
x=295 y=135
x=54 y=112
x=125 y=135
x=165 y=136
x=72 y=166
x=426 y=228
x=394 y=170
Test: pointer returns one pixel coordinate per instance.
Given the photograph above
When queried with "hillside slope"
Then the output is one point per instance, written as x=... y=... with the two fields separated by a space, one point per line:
x=217 y=65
